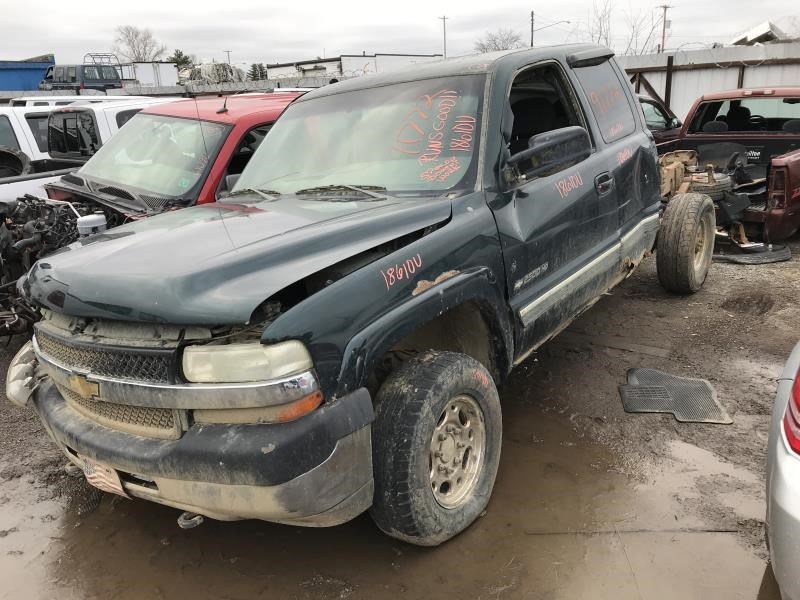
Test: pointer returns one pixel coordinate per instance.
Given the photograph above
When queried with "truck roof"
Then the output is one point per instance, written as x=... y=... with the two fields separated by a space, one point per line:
x=239 y=107
x=778 y=92
x=462 y=65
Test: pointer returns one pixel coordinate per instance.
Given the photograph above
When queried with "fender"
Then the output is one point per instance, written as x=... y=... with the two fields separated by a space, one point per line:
x=390 y=291
x=372 y=342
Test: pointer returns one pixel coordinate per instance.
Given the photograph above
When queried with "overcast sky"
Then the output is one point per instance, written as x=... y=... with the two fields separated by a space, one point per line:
x=270 y=32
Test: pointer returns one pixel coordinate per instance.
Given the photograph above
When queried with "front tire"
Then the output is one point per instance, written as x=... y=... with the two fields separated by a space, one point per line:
x=436 y=447
x=685 y=243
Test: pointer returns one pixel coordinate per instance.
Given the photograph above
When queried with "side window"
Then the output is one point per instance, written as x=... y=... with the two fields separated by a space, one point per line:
x=540 y=100
x=608 y=100
x=125 y=116
x=110 y=73
x=64 y=102
x=7 y=137
x=90 y=73
x=247 y=146
x=40 y=104
x=72 y=74
x=653 y=117
x=38 y=125
x=59 y=74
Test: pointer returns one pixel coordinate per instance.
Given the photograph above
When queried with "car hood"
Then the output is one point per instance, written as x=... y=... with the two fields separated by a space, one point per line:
x=215 y=263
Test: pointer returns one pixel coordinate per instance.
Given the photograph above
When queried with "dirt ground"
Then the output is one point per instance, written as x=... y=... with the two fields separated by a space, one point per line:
x=590 y=502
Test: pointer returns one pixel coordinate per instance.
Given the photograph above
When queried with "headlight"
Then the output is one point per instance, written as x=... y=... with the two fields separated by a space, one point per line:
x=237 y=363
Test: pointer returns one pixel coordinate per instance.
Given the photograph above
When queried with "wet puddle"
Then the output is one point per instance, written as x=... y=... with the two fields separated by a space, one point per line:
x=564 y=522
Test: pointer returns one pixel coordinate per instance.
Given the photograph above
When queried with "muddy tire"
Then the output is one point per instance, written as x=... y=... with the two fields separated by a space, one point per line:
x=685 y=243
x=436 y=447
x=13 y=162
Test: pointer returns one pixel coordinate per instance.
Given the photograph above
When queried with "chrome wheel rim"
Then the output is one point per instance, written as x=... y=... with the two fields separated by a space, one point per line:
x=457 y=452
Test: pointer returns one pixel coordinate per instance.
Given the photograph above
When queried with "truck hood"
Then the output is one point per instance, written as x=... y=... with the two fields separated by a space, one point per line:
x=216 y=263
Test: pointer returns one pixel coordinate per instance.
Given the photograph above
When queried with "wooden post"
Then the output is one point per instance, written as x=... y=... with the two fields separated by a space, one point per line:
x=668 y=81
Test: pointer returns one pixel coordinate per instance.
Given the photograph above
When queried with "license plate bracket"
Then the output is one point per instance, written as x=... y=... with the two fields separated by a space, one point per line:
x=103 y=477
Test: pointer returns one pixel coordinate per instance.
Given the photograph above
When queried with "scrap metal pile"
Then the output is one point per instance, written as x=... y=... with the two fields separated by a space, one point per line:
x=33 y=228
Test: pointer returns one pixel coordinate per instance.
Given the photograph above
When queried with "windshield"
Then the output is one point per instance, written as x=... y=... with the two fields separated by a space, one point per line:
x=166 y=156
x=413 y=137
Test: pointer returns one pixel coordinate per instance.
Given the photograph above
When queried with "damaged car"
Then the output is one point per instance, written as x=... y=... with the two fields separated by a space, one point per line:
x=329 y=338
x=166 y=157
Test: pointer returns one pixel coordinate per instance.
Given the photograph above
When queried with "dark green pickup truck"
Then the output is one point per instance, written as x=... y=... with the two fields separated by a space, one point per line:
x=328 y=339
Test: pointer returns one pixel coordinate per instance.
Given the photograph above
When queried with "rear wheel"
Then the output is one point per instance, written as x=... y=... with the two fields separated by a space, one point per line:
x=685 y=243
x=436 y=447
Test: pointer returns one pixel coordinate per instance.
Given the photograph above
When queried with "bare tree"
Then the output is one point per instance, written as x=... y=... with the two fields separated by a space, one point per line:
x=642 y=29
x=137 y=45
x=502 y=39
x=600 y=22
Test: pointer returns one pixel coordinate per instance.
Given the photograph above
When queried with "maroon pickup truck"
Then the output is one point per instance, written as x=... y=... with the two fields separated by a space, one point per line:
x=763 y=127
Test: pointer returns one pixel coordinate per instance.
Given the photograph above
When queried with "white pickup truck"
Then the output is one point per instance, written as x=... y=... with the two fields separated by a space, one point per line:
x=39 y=144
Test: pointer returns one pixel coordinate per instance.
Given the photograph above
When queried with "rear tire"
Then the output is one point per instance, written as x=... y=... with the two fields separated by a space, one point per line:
x=685 y=243
x=436 y=447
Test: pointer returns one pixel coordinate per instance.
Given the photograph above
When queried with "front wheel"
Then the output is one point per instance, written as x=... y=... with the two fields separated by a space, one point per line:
x=685 y=243
x=436 y=447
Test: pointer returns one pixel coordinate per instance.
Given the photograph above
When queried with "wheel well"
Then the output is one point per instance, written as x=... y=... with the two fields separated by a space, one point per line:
x=462 y=329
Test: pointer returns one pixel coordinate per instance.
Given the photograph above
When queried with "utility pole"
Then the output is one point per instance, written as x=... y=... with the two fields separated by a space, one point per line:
x=228 y=52
x=664 y=7
x=444 y=35
x=531 y=29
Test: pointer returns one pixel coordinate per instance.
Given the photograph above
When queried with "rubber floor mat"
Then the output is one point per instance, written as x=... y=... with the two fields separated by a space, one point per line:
x=688 y=400
x=756 y=258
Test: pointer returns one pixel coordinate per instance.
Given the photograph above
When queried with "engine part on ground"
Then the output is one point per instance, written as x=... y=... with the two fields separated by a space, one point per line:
x=689 y=400
x=13 y=162
x=712 y=184
x=89 y=224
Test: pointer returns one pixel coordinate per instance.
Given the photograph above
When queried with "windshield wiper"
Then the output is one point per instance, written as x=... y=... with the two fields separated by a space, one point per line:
x=270 y=195
x=367 y=190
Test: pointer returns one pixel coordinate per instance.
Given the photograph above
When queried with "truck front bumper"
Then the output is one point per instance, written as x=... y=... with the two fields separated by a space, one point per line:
x=314 y=471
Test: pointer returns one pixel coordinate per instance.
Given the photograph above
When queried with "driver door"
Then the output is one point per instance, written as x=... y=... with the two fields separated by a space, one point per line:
x=559 y=231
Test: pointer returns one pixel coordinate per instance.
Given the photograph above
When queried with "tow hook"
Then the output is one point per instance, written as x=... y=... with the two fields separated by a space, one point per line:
x=190 y=520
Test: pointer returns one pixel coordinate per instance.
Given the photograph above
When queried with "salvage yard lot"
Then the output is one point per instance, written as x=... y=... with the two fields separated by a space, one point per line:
x=590 y=502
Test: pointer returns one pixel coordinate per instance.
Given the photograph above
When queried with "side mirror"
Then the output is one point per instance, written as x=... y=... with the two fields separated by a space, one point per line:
x=227 y=186
x=230 y=181
x=553 y=151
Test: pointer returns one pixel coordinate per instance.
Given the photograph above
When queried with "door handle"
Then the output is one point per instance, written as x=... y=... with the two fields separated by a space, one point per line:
x=604 y=183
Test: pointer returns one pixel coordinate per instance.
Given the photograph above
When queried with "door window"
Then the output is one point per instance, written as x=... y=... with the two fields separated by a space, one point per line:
x=608 y=100
x=110 y=73
x=38 y=125
x=91 y=72
x=7 y=137
x=72 y=73
x=540 y=100
x=654 y=117
x=59 y=74
x=250 y=142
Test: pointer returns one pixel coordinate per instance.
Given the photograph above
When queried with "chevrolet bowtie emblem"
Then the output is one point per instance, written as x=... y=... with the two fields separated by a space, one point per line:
x=83 y=387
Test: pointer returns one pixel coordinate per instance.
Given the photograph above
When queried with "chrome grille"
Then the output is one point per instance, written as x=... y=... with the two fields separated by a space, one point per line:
x=108 y=361
x=150 y=422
